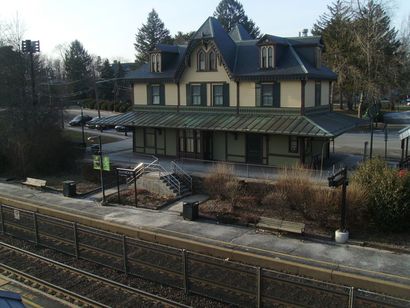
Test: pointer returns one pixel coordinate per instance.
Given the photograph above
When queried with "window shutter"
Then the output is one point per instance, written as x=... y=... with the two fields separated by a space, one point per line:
x=188 y=95
x=203 y=94
x=226 y=94
x=149 y=95
x=162 y=94
x=276 y=94
x=258 y=94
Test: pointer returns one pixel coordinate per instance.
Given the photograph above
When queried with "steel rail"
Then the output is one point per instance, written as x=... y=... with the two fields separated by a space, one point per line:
x=96 y=277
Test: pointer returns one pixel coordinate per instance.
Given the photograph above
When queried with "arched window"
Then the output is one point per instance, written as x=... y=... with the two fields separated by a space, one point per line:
x=264 y=52
x=158 y=63
x=270 y=57
x=201 y=61
x=153 y=63
x=212 y=61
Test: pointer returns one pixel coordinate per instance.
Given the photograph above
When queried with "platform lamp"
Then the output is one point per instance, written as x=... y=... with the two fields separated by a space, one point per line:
x=31 y=47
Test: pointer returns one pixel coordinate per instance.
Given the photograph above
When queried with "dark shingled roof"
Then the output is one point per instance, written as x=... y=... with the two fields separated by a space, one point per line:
x=241 y=54
x=239 y=33
x=328 y=125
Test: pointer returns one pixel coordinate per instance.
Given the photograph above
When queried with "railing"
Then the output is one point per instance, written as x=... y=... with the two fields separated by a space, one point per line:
x=222 y=279
x=164 y=175
x=185 y=177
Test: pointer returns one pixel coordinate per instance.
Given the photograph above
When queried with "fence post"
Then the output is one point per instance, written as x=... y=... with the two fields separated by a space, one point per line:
x=258 y=286
x=184 y=270
x=351 y=297
x=124 y=253
x=35 y=228
x=2 y=219
x=77 y=253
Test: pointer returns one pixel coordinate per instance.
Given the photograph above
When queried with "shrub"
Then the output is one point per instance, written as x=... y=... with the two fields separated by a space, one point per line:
x=388 y=194
x=215 y=182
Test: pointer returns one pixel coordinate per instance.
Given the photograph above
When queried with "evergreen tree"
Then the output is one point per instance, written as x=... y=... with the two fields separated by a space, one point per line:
x=149 y=35
x=231 y=12
x=119 y=84
x=77 y=64
x=378 y=47
x=182 y=38
x=336 y=29
x=107 y=88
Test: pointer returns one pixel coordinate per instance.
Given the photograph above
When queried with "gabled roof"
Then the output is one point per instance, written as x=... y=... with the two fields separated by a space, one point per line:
x=241 y=56
x=212 y=29
x=239 y=33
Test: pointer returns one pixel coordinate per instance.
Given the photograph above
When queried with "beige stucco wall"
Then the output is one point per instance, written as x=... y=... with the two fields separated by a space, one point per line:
x=310 y=93
x=279 y=152
x=290 y=94
x=191 y=74
x=171 y=94
x=325 y=93
x=140 y=93
x=247 y=94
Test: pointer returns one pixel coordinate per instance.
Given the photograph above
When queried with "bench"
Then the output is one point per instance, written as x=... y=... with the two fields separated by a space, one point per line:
x=35 y=182
x=280 y=225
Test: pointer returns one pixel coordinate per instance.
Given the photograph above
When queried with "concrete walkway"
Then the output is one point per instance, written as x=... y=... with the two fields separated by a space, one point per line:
x=382 y=264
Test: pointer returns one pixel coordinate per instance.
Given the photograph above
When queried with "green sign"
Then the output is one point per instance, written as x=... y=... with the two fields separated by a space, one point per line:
x=96 y=162
x=105 y=163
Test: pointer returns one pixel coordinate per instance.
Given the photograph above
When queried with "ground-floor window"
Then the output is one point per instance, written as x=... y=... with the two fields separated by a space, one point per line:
x=190 y=141
x=293 y=144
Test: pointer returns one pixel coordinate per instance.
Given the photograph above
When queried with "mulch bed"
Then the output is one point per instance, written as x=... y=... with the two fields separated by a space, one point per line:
x=145 y=199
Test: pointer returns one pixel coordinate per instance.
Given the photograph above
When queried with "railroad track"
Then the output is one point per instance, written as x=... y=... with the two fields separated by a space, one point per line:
x=73 y=285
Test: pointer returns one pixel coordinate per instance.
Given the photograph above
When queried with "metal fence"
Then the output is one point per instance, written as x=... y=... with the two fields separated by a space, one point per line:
x=230 y=282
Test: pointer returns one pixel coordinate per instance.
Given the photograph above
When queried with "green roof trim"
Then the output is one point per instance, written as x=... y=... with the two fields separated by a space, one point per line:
x=326 y=125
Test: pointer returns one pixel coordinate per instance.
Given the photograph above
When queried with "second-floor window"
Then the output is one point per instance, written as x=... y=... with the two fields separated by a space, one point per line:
x=318 y=93
x=196 y=94
x=206 y=60
x=268 y=94
x=267 y=57
x=212 y=61
x=156 y=94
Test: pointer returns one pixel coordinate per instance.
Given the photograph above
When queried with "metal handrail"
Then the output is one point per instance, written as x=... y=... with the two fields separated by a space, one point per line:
x=185 y=176
x=166 y=175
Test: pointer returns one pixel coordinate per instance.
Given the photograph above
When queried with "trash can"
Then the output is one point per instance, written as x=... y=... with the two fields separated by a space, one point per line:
x=190 y=210
x=69 y=188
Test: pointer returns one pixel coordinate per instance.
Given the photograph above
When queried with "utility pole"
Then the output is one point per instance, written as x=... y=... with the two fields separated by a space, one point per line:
x=31 y=47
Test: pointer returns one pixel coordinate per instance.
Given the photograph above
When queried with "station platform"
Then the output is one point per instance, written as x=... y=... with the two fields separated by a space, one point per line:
x=367 y=266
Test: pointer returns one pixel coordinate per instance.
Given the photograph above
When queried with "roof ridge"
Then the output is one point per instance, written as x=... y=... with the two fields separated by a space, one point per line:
x=298 y=58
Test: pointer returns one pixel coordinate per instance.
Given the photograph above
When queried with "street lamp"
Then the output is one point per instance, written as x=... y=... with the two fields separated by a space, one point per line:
x=92 y=138
x=31 y=47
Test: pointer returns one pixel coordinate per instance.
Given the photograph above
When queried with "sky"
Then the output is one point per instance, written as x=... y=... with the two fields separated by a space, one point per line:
x=108 y=28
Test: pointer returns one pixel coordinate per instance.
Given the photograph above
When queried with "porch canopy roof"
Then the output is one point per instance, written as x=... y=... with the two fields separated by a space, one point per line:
x=404 y=133
x=327 y=125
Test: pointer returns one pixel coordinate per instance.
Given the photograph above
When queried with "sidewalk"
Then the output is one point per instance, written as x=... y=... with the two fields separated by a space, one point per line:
x=368 y=262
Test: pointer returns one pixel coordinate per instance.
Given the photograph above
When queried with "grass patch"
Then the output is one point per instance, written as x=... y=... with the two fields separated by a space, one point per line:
x=76 y=137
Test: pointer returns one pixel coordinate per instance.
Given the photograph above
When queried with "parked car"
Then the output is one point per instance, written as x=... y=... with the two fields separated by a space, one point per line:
x=122 y=128
x=92 y=125
x=80 y=120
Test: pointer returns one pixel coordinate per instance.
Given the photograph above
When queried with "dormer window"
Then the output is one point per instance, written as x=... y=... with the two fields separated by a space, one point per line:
x=267 y=57
x=201 y=61
x=156 y=62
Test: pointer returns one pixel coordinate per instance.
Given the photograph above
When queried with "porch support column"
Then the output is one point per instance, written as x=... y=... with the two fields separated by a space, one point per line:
x=237 y=97
x=330 y=96
x=302 y=150
x=178 y=97
x=302 y=105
